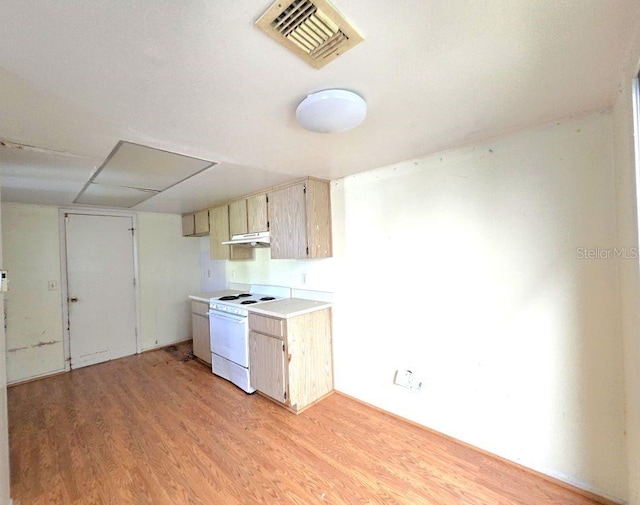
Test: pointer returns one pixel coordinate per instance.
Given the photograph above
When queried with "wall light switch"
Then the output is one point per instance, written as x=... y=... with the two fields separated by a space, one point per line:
x=53 y=285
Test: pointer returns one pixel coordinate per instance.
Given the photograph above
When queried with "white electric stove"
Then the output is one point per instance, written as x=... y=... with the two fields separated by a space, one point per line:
x=229 y=332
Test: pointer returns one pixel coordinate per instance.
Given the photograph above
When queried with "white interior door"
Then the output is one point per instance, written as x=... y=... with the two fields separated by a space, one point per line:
x=100 y=288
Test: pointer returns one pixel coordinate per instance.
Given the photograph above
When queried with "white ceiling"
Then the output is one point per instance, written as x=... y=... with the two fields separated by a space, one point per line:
x=196 y=77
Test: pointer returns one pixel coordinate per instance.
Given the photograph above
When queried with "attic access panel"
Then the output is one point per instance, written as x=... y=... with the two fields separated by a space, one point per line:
x=312 y=29
x=132 y=173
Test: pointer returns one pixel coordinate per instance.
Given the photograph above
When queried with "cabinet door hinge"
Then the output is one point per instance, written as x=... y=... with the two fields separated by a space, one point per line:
x=283 y=347
x=304 y=188
x=307 y=251
x=267 y=225
x=285 y=395
x=267 y=198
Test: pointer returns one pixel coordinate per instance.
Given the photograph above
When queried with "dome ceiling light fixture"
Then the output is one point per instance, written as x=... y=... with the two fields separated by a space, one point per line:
x=331 y=111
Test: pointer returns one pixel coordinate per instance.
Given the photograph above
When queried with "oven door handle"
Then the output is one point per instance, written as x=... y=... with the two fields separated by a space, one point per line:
x=238 y=319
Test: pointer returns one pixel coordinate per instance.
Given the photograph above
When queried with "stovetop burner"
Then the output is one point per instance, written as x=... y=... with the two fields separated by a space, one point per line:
x=233 y=302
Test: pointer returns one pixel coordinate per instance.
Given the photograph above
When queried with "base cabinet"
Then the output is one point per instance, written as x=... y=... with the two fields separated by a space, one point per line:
x=267 y=371
x=291 y=359
x=200 y=326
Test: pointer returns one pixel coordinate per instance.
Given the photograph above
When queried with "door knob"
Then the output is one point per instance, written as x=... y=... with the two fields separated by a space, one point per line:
x=73 y=300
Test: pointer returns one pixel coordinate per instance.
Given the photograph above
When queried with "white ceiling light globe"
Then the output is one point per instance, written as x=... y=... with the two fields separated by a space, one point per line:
x=331 y=111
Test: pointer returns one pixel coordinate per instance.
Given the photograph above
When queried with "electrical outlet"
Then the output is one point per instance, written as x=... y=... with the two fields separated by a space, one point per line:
x=407 y=379
x=303 y=278
x=53 y=285
x=208 y=273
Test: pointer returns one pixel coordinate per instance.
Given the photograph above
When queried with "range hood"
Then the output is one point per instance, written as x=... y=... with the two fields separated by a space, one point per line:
x=260 y=239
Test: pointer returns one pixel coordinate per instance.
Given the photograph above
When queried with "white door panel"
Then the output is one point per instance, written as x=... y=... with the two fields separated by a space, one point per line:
x=100 y=287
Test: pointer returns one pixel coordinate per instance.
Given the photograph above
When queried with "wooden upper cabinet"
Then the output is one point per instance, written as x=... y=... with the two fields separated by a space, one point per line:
x=195 y=224
x=202 y=222
x=188 y=225
x=238 y=217
x=300 y=221
x=219 y=232
x=248 y=215
x=257 y=214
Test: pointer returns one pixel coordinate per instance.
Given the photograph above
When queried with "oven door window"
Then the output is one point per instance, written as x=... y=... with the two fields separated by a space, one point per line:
x=230 y=337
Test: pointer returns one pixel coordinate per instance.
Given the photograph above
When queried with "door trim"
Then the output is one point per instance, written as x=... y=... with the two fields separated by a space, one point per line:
x=63 y=272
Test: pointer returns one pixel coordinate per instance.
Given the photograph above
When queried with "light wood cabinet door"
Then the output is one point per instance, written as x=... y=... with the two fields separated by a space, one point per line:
x=318 y=212
x=201 y=341
x=202 y=222
x=257 y=214
x=218 y=232
x=287 y=220
x=310 y=366
x=188 y=225
x=267 y=365
x=238 y=217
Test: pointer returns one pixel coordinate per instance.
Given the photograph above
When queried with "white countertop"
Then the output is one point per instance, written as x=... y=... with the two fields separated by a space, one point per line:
x=205 y=297
x=288 y=307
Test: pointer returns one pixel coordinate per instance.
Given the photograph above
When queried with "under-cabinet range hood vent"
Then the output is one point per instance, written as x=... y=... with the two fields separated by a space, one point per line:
x=260 y=239
x=312 y=29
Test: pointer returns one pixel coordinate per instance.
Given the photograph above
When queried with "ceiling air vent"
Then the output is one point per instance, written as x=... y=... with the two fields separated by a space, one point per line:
x=315 y=31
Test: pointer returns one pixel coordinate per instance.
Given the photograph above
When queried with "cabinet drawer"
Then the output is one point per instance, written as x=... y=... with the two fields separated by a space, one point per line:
x=200 y=308
x=267 y=325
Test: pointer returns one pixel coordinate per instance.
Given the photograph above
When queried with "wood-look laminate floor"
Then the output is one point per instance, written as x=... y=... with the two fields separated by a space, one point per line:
x=152 y=429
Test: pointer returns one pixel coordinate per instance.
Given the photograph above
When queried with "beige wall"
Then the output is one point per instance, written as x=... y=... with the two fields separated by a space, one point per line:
x=169 y=273
x=515 y=336
x=627 y=236
x=35 y=343
x=464 y=267
x=168 y=267
x=4 y=425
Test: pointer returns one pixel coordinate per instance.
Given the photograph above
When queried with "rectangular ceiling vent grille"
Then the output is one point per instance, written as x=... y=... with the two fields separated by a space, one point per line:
x=315 y=31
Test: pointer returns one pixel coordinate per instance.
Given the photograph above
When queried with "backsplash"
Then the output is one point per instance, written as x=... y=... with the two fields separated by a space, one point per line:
x=302 y=276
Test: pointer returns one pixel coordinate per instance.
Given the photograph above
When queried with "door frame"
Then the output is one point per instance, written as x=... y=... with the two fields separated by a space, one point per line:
x=63 y=272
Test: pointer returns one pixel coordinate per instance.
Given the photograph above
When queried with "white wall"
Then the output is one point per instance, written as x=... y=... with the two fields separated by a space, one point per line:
x=464 y=268
x=315 y=275
x=168 y=272
x=627 y=229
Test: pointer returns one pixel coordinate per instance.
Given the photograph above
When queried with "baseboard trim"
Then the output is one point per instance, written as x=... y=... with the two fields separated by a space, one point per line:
x=164 y=346
x=36 y=378
x=62 y=371
x=587 y=493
